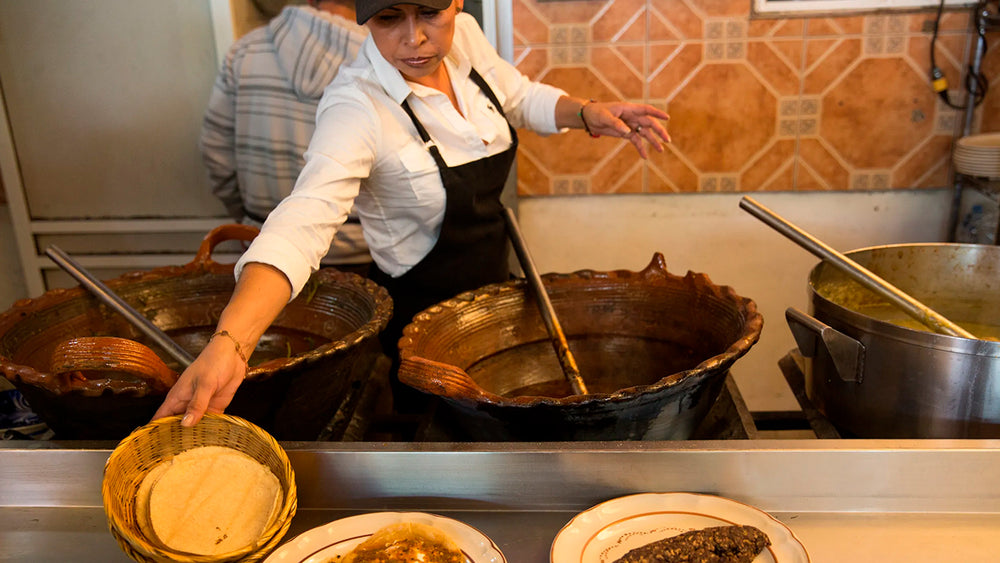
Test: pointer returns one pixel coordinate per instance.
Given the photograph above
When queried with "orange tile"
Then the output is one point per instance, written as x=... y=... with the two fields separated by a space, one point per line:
x=621 y=16
x=531 y=180
x=636 y=31
x=778 y=155
x=836 y=26
x=836 y=61
x=925 y=161
x=878 y=113
x=784 y=181
x=621 y=173
x=570 y=153
x=919 y=51
x=672 y=16
x=668 y=173
x=721 y=133
x=792 y=49
x=818 y=158
x=935 y=178
x=529 y=28
x=954 y=20
x=774 y=68
x=776 y=28
x=562 y=12
x=990 y=110
x=615 y=69
x=670 y=65
x=991 y=60
x=806 y=180
x=532 y=62
x=716 y=8
x=580 y=81
x=817 y=49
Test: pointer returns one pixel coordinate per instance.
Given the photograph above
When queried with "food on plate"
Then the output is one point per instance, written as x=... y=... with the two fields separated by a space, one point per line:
x=208 y=500
x=407 y=542
x=720 y=544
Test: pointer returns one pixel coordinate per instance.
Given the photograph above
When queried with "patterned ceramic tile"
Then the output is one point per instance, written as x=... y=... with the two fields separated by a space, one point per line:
x=715 y=134
x=623 y=20
x=682 y=21
x=927 y=166
x=876 y=113
x=821 y=103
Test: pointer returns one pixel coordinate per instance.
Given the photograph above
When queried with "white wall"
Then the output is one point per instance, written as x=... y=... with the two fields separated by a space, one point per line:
x=709 y=233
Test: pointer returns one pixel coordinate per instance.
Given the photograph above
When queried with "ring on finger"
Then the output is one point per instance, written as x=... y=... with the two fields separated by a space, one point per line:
x=638 y=128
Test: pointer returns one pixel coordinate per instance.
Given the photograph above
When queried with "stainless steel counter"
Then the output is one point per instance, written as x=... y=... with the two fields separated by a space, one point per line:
x=847 y=500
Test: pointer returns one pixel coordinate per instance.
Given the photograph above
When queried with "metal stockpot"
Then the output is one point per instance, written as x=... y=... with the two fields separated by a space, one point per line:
x=877 y=374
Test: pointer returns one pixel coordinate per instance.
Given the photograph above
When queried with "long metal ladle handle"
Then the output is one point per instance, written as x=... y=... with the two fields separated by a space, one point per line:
x=111 y=299
x=556 y=334
x=859 y=273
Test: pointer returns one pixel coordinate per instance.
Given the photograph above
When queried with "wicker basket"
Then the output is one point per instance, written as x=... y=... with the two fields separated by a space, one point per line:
x=160 y=441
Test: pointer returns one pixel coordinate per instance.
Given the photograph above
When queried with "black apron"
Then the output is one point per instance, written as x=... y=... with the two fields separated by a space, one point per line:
x=471 y=250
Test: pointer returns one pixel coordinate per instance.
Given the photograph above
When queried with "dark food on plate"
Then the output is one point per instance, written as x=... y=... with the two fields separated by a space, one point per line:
x=407 y=542
x=721 y=544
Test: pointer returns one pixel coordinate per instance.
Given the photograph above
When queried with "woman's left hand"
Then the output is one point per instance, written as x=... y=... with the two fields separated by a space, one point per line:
x=634 y=122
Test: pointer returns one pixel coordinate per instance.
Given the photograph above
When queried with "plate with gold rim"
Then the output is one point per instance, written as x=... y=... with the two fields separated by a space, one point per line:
x=331 y=542
x=607 y=531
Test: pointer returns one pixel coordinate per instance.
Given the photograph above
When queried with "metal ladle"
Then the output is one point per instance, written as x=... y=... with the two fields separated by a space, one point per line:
x=556 y=334
x=111 y=299
x=927 y=316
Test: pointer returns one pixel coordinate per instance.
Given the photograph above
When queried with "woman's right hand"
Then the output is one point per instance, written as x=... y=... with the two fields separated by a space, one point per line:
x=207 y=385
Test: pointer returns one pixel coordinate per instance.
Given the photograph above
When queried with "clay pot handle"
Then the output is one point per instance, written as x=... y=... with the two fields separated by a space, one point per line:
x=109 y=353
x=217 y=236
x=444 y=380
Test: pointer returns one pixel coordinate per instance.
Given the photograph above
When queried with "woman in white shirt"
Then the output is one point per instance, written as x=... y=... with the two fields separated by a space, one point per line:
x=419 y=135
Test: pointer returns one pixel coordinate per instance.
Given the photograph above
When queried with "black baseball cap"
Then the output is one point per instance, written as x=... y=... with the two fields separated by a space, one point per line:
x=365 y=9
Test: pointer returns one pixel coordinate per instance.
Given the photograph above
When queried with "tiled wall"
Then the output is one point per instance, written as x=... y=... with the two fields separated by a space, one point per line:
x=827 y=103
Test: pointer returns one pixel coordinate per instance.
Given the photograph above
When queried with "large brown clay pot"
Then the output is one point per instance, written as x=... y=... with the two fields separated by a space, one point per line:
x=310 y=364
x=653 y=348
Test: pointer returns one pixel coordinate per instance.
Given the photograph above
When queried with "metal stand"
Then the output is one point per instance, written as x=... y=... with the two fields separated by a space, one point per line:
x=984 y=21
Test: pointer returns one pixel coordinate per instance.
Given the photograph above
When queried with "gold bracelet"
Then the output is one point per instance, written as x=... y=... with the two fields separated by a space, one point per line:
x=584 y=120
x=239 y=349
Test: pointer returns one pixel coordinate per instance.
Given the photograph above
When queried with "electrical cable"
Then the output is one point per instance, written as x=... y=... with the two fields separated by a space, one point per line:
x=976 y=84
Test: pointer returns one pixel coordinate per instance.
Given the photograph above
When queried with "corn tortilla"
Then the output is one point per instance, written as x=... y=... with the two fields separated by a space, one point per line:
x=142 y=501
x=212 y=500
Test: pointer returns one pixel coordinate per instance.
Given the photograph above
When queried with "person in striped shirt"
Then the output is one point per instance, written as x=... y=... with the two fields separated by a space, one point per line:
x=262 y=113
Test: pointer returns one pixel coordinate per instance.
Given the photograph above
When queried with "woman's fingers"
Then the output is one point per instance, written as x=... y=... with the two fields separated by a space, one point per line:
x=197 y=406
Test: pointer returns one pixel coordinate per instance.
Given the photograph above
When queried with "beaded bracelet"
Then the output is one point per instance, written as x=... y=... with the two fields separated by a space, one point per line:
x=239 y=349
x=585 y=126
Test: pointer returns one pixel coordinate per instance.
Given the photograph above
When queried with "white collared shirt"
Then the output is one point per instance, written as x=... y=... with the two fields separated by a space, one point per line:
x=365 y=151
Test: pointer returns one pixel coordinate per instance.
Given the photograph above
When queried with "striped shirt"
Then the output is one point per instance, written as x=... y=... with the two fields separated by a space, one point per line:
x=262 y=113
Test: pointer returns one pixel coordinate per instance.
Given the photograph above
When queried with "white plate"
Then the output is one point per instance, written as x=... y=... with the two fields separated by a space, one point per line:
x=611 y=529
x=336 y=539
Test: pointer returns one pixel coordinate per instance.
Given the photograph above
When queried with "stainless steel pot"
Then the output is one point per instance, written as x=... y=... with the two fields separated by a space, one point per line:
x=875 y=373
